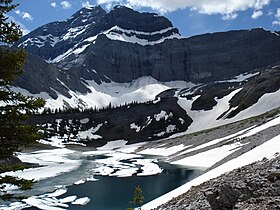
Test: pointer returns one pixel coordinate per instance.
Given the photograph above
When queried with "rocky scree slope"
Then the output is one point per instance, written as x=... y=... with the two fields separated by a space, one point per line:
x=255 y=186
x=232 y=145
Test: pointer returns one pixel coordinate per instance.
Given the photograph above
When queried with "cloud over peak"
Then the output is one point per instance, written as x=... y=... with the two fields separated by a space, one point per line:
x=53 y=4
x=227 y=8
x=24 y=15
x=277 y=17
x=86 y=4
x=65 y=4
x=257 y=14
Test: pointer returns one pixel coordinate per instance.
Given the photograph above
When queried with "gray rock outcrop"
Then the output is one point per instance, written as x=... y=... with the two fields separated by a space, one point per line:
x=255 y=186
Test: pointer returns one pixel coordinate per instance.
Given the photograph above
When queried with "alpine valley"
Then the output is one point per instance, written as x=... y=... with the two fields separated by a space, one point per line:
x=130 y=81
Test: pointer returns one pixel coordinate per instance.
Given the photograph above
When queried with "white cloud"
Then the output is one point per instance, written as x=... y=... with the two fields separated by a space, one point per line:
x=27 y=16
x=270 y=13
x=256 y=14
x=53 y=4
x=65 y=4
x=24 y=15
x=86 y=4
x=276 y=22
x=229 y=16
x=277 y=16
x=227 y=8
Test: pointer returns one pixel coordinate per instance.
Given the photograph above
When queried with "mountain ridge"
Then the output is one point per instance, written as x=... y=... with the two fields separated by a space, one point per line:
x=123 y=45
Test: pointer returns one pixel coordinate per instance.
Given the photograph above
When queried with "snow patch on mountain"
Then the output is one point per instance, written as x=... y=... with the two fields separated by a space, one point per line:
x=267 y=102
x=90 y=133
x=200 y=117
x=140 y=90
x=241 y=77
x=74 y=32
x=135 y=127
x=210 y=157
x=163 y=150
x=41 y=41
x=114 y=33
x=120 y=34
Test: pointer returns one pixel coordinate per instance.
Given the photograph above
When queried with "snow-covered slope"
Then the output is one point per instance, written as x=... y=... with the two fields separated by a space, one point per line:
x=207 y=105
x=238 y=149
x=101 y=95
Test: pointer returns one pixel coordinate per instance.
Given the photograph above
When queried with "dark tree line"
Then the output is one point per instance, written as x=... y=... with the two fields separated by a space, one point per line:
x=91 y=110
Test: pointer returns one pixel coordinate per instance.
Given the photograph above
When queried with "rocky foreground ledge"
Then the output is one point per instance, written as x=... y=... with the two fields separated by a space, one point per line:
x=255 y=186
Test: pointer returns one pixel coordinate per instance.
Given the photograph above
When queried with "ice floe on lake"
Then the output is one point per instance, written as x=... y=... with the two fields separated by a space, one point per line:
x=115 y=159
x=48 y=201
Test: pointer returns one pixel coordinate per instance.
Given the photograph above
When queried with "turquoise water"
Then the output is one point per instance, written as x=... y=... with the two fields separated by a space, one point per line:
x=113 y=193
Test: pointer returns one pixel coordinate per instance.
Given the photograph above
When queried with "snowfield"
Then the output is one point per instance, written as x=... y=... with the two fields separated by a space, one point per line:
x=118 y=159
x=208 y=158
x=142 y=89
x=266 y=150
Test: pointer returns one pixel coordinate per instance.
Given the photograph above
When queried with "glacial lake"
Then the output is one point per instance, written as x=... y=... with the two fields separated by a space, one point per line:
x=114 y=190
x=114 y=193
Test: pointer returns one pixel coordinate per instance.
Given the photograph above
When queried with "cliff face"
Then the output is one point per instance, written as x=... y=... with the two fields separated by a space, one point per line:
x=202 y=58
x=40 y=77
x=123 y=45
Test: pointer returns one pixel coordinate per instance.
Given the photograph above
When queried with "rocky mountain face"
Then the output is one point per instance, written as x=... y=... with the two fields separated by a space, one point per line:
x=123 y=45
x=43 y=77
x=123 y=57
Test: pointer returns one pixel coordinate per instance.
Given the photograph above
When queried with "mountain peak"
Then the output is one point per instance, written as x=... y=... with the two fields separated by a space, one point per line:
x=62 y=39
x=128 y=18
x=87 y=14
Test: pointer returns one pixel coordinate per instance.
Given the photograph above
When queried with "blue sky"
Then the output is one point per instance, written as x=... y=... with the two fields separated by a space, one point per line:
x=191 y=17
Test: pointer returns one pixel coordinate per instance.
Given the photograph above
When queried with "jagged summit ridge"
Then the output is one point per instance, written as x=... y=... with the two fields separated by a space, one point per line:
x=57 y=40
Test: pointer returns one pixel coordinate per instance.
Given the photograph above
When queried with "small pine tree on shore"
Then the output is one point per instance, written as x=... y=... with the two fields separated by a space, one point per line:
x=138 y=198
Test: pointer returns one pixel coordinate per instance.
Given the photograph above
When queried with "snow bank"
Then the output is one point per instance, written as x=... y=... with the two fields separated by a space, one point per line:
x=208 y=158
x=267 y=149
x=113 y=145
x=54 y=162
x=163 y=151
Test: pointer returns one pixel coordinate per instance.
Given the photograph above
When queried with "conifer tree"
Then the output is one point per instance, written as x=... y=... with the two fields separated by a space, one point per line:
x=138 y=198
x=13 y=106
